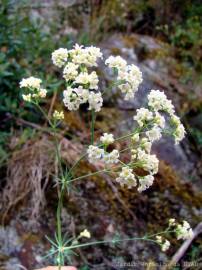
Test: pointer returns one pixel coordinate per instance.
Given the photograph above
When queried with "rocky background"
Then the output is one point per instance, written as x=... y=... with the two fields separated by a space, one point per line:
x=164 y=39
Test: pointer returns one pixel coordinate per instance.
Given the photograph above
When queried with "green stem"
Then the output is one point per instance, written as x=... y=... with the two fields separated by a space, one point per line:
x=88 y=175
x=92 y=126
x=60 y=190
x=100 y=145
x=145 y=238
x=109 y=241
x=135 y=164
x=43 y=112
x=57 y=150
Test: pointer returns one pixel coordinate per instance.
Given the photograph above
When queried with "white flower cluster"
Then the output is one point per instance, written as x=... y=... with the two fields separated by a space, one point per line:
x=59 y=57
x=143 y=116
x=145 y=182
x=151 y=124
x=35 y=90
x=158 y=101
x=107 y=138
x=129 y=76
x=82 y=85
x=96 y=153
x=31 y=82
x=184 y=231
x=179 y=131
x=147 y=161
x=87 y=56
x=112 y=157
x=126 y=177
x=165 y=244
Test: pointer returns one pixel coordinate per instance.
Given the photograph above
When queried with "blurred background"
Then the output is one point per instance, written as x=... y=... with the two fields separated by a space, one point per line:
x=164 y=38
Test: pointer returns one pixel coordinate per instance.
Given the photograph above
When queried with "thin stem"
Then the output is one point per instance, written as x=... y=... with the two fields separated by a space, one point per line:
x=88 y=175
x=109 y=241
x=59 y=226
x=43 y=112
x=136 y=164
x=152 y=235
x=76 y=163
x=93 y=116
x=57 y=150
x=60 y=191
x=145 y=238
x=100 y=145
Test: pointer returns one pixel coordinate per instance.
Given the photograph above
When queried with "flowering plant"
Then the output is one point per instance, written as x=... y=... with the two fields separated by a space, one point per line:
x=150 y=124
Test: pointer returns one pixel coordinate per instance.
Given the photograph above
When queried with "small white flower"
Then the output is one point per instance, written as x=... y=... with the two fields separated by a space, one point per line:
x=31 y=82
x=149 y=162
x=71 y=99
x=112 y=157
x=59 y=57
x=142 y=116
x=175 y=120
x=179 y=133
x=82 y=93
x=154 y=134
x=165 y=246
x=159 y=102
x=27 y=97
x=146 y=145
x=70 y=71
x=135 y=138
x=82 y=78
x=93 y=53
x=85 y=78
x=172 y=222
x=184 y=231
x=126 y=177
x=159 y=120
x=85 y=234
x=58 y=115
x=159 y=239
x=95 y=153
x=95 y=101
x=116 y=62
x=132 y=78
x=42 y=93
x=145 y=182
x=179 y=130
x=87 y=56
x=107 y=138
x=93 y=80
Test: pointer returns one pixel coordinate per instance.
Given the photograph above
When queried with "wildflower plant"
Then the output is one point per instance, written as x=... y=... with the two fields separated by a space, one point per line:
x=150 y=124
